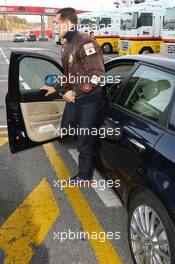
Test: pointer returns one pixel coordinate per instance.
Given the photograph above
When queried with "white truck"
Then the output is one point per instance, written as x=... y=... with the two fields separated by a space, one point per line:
x=168 y=29
x=140 y=29
x=105 y=26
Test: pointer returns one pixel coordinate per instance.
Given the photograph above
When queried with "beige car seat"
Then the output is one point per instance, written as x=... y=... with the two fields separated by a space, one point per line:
x=150 y=91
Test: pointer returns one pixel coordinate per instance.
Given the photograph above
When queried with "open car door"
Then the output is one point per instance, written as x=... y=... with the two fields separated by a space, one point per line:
x=32 y=117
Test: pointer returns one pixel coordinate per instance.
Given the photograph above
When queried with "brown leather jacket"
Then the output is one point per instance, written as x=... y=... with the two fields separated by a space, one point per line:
x=83 y=64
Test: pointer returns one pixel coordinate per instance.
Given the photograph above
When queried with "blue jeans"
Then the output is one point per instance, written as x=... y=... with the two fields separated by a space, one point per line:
x=84 y=116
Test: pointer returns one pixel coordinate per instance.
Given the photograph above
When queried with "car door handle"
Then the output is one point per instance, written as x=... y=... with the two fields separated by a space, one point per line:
x=54 y=113
x=137 y=144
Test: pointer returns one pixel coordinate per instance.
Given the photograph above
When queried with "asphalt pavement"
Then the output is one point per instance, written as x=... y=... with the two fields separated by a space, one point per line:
x=42 y=223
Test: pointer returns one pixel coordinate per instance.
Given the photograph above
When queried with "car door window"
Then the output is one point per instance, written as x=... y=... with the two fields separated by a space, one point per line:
x=33 y=71
x=118 y=72
x=148 y=93
x=172 y=119
x=114 y=78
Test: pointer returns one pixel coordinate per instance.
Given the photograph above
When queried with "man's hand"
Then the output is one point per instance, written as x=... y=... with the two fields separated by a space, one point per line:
x=69 y=97
x=49 y=89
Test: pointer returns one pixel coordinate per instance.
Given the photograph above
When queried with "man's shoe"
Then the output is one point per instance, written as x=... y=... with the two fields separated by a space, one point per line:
x=77 y=181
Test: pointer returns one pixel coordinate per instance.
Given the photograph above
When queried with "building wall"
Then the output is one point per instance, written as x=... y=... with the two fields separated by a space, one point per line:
x=50 y=21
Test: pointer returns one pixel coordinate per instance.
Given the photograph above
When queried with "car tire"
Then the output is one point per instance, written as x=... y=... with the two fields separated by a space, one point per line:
x=146 y=51
x=145 y=205
x=107 y=48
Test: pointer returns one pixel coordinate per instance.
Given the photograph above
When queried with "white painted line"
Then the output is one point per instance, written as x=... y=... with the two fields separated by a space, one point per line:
x=3 y=126
x=20 y=78
x=26 y=86
x=108 y=196
x=12 y=48
x=4 y=56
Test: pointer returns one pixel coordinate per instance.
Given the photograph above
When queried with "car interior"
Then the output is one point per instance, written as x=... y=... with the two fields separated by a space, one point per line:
x=146 y=95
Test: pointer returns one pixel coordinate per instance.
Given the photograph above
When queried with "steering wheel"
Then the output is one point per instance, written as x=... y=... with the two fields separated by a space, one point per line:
x=111 y=90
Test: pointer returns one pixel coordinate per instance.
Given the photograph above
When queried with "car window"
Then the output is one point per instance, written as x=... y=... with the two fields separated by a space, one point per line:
x=33 y=71
x=114 y=77
x=119 y=72
x=148 y=93
x=172 y=119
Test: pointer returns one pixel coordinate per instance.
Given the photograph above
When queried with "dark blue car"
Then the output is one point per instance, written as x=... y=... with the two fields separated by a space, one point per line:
x=140 y=102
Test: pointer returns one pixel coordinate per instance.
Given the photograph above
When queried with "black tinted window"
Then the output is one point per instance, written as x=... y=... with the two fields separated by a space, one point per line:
x=114 y=77
x=120 y=72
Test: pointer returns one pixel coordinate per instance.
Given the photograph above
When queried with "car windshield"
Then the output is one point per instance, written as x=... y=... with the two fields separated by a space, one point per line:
x=129 y=20
x=84 y=22
x=105 y=22
x=18 y=35
x=169 y=19
x=88 y=24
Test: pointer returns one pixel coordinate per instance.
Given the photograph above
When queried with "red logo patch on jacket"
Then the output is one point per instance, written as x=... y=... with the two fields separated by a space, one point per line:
x=89 y=49
x=87 y=87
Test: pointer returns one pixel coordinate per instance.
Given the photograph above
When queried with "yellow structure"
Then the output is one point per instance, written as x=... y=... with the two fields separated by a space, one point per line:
x=140 y=45
x=108 y=43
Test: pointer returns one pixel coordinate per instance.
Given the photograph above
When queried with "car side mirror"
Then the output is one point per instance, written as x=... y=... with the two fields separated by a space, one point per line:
x=52 y=80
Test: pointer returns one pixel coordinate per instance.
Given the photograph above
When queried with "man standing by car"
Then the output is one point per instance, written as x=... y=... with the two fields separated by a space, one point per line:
x=82 y=59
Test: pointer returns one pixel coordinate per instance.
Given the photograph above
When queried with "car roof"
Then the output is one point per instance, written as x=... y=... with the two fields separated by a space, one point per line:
x=165 y=61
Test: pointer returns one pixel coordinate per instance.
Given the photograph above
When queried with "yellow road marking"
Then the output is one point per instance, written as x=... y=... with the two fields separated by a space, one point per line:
x=105 y=252
x=3 y=141
x=3 y=132
x=28 y=225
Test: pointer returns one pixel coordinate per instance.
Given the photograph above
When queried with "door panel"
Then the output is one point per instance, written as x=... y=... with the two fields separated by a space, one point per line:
x=33 y=118
x=42 y=119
